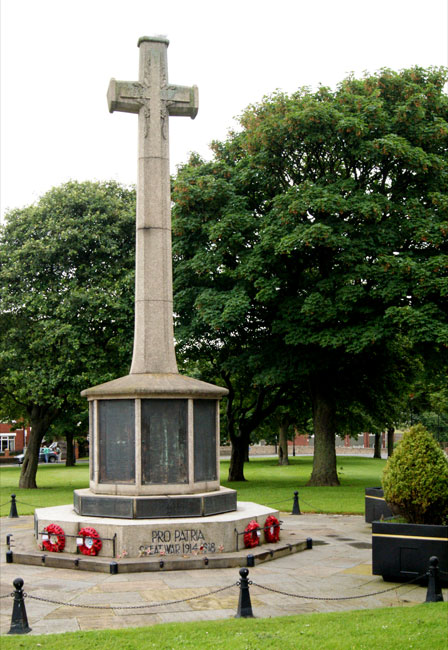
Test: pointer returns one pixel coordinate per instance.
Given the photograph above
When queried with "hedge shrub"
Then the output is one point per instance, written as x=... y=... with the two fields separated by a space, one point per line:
x=415 y=479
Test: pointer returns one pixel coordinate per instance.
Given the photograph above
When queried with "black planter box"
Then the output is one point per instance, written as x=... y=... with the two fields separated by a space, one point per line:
x=401 y=552
x=375 y=505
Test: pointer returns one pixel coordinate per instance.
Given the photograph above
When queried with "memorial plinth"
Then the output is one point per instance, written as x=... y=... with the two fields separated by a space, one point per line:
x=155 y=442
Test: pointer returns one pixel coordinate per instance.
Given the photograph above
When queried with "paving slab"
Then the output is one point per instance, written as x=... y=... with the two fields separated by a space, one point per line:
x=338 y=565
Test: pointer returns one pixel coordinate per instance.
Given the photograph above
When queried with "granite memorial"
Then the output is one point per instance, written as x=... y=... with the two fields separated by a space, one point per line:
x=154 y=434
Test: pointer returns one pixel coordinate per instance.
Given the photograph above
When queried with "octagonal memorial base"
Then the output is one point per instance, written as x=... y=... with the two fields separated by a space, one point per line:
x=133 y=538
x=87 y=503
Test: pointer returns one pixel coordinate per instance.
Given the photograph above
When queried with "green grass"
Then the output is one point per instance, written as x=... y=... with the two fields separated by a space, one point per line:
x=274 y=485
x=55 y=487
x=267 y=483
x=420 y=626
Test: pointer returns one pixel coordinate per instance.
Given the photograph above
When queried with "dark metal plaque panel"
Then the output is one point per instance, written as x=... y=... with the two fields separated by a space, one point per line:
x=174 y=507
x=116 y=422
x=214 y=504
x=91 y=441
x=205 y=440
x=164 y=441
x=107 y=507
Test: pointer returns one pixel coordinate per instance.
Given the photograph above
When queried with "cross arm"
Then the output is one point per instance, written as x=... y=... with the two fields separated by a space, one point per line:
x=124 y=96
x=183 y=100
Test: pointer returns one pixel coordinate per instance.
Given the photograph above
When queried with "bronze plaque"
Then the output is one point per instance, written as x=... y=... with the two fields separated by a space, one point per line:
x=205 y=440
x=164 y=441
x=172 y=507
x=116 y=422
x=91 y=441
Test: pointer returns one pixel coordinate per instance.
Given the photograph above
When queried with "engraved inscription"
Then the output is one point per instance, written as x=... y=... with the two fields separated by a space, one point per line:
x=177 y=542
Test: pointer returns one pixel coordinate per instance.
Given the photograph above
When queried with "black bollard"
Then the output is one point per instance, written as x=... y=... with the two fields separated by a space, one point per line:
x=296 y=507
x=434 y=592
x=13 y=510
x=250 y=560
x=113 y=568
x=9 y=557
x=244 y=604
x=309 y=542
x=19 y=619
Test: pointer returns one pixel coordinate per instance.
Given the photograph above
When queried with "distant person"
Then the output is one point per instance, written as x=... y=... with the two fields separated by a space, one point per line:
x=46 y=452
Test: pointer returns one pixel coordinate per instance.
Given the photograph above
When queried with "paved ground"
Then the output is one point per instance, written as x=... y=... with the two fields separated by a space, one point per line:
x=340 y=567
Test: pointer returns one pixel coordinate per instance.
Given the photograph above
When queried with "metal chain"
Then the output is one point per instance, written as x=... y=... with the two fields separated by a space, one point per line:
x=274 y=503
x=11 y=595
x=376 y=593
x=24 y=503
x=309 y=504
x=4 y=504
x=170 y=602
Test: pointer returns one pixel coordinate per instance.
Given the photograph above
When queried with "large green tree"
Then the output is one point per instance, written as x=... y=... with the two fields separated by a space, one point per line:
x=220 y=327
x=66 y=302
x=317 y=234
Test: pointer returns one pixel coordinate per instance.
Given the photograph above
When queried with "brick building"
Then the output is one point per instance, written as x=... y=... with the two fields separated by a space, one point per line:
x=13 y=439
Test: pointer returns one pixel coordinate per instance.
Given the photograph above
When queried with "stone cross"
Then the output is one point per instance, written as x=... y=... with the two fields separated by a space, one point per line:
x=154 y=99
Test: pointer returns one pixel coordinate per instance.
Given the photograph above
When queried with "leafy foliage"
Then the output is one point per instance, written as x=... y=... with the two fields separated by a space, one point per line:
x=311 y=252
x=66 y=299
x=415 y=479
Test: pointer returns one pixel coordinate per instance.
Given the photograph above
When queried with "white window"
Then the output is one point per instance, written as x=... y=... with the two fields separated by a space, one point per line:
x=7 y=441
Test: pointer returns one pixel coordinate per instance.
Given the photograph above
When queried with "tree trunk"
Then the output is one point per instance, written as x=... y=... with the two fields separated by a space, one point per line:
x=324 y=461
x=40 y=424
x=283 y=444
x=377 y=446
x=390 y=441
x=238 y=455
x=70 y=460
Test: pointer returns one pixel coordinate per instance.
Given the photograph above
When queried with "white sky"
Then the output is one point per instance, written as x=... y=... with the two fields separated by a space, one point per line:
x=57 y=57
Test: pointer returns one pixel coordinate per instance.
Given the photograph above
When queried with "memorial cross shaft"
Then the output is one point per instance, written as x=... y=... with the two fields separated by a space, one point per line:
x=154 y=100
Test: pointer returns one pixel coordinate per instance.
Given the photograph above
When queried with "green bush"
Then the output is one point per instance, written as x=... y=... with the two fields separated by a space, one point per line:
x=415 y=479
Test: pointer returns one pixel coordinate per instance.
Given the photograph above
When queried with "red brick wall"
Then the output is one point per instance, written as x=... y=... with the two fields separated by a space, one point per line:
x=19 y=438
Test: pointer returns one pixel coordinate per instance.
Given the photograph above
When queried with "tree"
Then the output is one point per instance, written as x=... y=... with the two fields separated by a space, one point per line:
x=251 y=399
x=73 y=426
x=428 y=401
x=320 y=228
x=220 y=327
x=66 y=302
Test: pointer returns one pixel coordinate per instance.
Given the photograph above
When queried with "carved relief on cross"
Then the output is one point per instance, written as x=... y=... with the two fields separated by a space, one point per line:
x=152 y=92
x=154 y=100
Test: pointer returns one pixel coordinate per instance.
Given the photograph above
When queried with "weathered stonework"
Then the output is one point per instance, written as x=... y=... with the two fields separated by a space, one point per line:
x=170 y=536
x=153 y=453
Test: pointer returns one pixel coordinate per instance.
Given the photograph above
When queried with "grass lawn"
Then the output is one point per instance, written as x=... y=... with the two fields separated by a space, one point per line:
x=267 y=483
x=420 y=626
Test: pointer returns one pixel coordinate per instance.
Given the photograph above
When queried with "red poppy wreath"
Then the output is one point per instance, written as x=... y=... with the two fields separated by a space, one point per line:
x=272 y=529
x=91 y=543
x=54 y=539
x=252 y=534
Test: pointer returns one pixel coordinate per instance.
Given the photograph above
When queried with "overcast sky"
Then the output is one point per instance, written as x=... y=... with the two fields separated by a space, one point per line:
x=57 y=57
